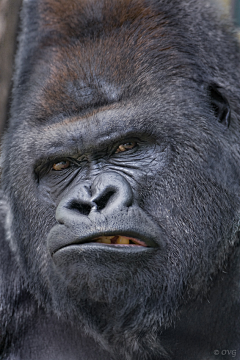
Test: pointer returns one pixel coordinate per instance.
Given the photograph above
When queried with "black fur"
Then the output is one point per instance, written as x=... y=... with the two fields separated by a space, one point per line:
x=91 y=76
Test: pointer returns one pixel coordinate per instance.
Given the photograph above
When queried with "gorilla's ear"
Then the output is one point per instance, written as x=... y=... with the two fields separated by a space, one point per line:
x=220 y=105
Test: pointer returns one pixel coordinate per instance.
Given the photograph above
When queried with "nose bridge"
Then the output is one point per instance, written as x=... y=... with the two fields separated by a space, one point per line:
x=110 y=192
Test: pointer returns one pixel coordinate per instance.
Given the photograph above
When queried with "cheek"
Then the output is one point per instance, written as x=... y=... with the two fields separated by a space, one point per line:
x=52 y=188
x=191 y=210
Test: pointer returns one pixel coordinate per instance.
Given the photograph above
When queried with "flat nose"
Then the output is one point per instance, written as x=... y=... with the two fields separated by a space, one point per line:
x=110 y=192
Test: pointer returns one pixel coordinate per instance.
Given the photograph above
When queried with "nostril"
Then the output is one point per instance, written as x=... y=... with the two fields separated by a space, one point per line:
x=103 y=200
x=84 y=209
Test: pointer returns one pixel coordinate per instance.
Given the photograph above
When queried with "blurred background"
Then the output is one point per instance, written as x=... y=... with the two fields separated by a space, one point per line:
x=235 y=9
x=9 y=10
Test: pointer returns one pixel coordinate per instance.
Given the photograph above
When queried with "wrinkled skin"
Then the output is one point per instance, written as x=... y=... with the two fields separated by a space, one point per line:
x=124 y=128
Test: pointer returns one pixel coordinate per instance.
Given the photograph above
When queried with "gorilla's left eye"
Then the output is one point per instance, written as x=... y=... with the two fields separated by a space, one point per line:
x=61 y=165
x=125 y=147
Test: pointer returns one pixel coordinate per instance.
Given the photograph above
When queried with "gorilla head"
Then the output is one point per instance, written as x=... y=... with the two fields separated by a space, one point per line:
x=121 y=165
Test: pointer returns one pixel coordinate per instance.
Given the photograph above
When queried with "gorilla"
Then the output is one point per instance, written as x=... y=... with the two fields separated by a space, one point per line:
x=120 y=185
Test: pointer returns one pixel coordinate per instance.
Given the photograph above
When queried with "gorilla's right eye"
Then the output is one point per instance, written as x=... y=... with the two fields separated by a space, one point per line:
x=61 y=165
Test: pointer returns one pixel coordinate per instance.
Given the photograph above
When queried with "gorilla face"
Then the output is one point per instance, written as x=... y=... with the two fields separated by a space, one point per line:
x=124 y=209
x=114 y=215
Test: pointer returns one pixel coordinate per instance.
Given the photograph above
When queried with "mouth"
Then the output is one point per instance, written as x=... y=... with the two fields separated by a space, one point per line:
x=119 y=243
x=105 y=237
x=108 y=242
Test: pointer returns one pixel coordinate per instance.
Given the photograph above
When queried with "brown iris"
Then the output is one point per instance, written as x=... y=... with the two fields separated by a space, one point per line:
x=125 y=147
x=61 y=165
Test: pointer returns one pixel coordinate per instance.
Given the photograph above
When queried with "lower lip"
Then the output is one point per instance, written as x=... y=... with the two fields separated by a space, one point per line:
x=99 y=247
x=113 y=245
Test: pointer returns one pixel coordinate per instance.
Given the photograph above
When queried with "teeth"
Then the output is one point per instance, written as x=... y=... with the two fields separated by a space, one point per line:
x=113 y=240
x=122 y=240
x=104 y=239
